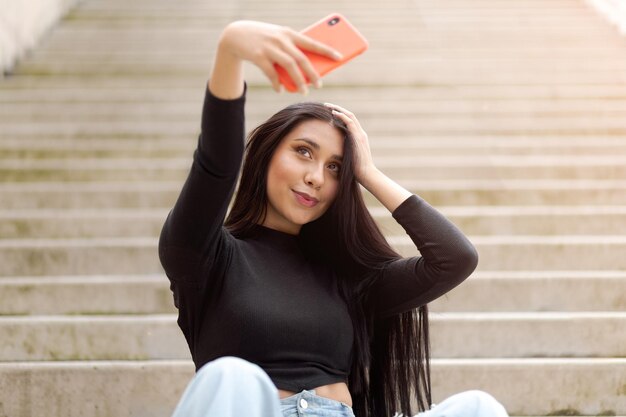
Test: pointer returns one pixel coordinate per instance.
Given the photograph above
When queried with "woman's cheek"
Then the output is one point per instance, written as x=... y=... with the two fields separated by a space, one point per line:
x=332 y=192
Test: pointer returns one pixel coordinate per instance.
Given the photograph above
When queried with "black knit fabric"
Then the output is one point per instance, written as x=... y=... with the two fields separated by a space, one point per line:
x=260 y=298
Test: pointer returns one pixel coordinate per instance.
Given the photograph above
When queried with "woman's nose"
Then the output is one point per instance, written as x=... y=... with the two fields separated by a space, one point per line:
x=315 y=177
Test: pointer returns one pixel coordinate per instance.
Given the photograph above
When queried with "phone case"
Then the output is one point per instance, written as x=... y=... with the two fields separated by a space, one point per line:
x=335 y=31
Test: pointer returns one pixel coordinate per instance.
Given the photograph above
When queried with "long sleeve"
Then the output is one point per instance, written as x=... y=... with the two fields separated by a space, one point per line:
x=193 y=229
x=447 y=258
x=193 y=244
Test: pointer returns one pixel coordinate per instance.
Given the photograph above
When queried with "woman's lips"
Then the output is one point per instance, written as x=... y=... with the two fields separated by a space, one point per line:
x=304 y=201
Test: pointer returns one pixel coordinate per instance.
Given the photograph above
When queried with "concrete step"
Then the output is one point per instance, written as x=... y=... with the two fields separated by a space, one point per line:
x=76 y=31
x=368 y=21
x=433 y=7
x=120 y=110
x=397 y=167
x=426 y=24
x=454 y=8
x=476 y=220
x=435 y=69
x=418 y=70
x=539 y=252
x=105 y=89
x=520 y=220
x=63 y=338
x=142 y=146
x=506 y=291
x=574 y=11
x=82 y=223
x=139 y=388
x=421 y=59
x=74 y=43
x=527 y=335
x=504 y=145
x=79 y=256
x=86 y=295
x=528 y=291
x=453 y=335
x=447 y=72
x=558 y=384
x=513 y=192
x=88 y=195
x=91 y=389
x=472 y=125
x=105 y=195
x=138 y=255
x=363 y=16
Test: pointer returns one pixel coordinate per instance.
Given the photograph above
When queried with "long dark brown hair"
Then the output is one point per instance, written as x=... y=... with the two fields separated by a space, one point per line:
x=391 y=358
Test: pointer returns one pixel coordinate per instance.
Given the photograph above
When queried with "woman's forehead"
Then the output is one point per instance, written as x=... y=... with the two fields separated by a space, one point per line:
x=320 y=135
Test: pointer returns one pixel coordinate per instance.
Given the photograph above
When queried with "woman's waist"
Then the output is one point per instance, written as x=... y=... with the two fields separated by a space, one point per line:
x=338 y=392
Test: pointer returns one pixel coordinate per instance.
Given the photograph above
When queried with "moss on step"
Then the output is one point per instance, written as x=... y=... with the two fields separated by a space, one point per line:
x=574 y=412
x=17 y=228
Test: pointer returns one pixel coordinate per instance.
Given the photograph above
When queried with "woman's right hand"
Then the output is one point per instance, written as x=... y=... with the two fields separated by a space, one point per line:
x=266 y=44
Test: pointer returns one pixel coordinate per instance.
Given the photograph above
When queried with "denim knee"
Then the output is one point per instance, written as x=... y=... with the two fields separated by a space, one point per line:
x=233 y=369
x=229 y=387
x=483 y=402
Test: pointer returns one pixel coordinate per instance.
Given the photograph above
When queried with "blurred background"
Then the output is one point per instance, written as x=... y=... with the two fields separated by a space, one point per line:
x=509 y=116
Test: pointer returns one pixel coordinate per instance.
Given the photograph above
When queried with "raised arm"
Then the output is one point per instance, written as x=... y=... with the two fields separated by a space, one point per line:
x=448 y=257
x=387 y=191
x=192 y=233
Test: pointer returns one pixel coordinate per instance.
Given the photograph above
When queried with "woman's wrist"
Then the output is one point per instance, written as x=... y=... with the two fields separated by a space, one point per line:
x=387 y=191
x=225 y=42
x=226 y=81
x=365 y=174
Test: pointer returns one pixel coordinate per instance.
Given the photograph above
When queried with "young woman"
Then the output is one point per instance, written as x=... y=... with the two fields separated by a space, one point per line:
x=295 y=304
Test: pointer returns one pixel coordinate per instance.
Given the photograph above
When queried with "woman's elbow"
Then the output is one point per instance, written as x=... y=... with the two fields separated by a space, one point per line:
x=464 y=263
x=467 y=261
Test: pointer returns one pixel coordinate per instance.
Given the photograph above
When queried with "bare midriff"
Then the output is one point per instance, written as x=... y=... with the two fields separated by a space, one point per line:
x=337 y=392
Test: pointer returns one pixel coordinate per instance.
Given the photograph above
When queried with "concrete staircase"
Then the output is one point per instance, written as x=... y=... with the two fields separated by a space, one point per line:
x=510 y=117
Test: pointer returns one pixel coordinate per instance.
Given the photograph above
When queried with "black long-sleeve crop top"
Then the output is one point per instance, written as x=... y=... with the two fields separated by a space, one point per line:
x=261 y=298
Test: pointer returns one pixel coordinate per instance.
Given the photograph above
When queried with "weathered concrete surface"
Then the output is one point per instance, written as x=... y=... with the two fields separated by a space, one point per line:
x=152 y=388
x=508 y=117
x=22 y=24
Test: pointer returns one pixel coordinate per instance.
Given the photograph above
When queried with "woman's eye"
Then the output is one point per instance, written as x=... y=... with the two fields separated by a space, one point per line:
x=302 y=149
x=335 y=167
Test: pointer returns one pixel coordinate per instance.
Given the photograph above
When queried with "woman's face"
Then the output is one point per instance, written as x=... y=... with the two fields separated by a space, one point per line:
x=307 y=160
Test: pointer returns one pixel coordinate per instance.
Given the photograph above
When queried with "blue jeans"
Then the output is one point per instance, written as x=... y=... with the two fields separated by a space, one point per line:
x=467 y=404
x=234 y=387
x=306 y=403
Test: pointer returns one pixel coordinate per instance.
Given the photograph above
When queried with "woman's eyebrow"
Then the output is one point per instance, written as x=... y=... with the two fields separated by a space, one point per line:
x=317 y=147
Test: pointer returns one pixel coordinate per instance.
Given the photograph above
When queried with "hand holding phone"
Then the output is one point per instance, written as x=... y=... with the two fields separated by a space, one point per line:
x=335 y=31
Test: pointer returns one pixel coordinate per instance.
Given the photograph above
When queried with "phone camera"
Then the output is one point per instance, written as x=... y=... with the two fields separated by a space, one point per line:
x=333 y=21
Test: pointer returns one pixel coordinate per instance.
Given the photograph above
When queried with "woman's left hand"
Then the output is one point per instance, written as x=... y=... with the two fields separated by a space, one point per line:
x=362 y=147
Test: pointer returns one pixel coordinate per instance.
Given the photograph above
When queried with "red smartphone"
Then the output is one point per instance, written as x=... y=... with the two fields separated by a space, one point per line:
x=335 y=31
